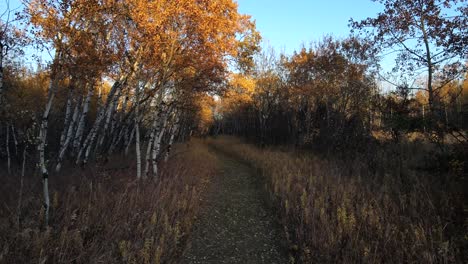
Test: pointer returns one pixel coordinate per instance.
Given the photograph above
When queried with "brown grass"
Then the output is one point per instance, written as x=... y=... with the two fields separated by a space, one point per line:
x=102 y=215
x=337 y=211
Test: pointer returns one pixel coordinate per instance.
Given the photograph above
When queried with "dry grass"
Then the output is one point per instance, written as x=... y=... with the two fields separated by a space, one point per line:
x=101 y=215
x=337 y=211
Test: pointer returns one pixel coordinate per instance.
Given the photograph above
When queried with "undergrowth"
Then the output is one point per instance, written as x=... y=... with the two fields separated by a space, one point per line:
x=347 y=211
x=103 y=215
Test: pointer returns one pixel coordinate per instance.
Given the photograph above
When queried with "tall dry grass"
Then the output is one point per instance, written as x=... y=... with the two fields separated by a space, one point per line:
x=102 y=215
x=349 y=211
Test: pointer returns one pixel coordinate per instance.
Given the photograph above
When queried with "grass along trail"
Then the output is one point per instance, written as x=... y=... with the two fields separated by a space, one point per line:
x=236 y=225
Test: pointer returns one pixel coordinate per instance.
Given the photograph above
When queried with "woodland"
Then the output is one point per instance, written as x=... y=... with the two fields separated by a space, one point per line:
x=155 y=120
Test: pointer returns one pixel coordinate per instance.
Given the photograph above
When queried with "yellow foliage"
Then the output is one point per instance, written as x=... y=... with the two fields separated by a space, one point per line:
x=241 y=91
x=205 y=105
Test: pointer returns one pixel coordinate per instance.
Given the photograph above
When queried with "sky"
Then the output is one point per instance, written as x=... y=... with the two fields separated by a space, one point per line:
x=287 y=25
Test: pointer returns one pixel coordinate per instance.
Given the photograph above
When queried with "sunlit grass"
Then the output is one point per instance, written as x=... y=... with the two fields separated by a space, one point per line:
x=343 y=212
x=102 y=215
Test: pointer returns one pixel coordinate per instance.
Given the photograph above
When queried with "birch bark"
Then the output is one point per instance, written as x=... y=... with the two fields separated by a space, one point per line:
x=157 y=144
x=171 y=140
x=137 y=132
x=67 y=117
x=129 y=141
x=55 y=78
x=68 y=136
x=150 y=142
x=81 y=123
x=86 y=148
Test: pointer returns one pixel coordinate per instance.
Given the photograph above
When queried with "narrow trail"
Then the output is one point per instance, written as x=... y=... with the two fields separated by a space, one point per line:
x=235 y=224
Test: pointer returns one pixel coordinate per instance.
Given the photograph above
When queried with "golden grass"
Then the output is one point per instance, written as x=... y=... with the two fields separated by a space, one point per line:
x=336 y=211
x=102 y=215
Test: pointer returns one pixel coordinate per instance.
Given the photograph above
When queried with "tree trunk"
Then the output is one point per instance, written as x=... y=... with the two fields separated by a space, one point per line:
x=68 y=136
x=8 y=148
x=80 y=127
x=55 y=78
x=430 y=71
x=110 y=113
x=20 y=195
x=157 y=144
x=129 y=142
x=87 y=145
x=171 y=140
x=67 y=117
x=15 y=141
x=150 y=142
x=1 y=74
x=137 y=132
x=121 y=135
x=446 y=116
x=424 y=118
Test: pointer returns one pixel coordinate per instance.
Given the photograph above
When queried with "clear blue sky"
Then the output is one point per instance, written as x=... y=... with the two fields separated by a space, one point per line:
x=288 y=24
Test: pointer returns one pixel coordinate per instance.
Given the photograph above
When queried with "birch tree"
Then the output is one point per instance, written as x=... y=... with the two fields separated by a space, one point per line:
x=68 y=136
x=137 y=131
x=174 y=131
x=56 y=77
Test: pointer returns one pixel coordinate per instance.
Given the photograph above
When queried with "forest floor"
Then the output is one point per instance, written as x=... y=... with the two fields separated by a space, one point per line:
x=236 y=223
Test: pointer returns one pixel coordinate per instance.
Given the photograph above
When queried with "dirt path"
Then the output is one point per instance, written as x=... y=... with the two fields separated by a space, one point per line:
x=236 y=225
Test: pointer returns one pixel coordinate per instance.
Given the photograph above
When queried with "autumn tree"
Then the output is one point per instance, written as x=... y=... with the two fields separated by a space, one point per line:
x=72 y=29
x=425 y=36
x=11 y=42
x=121 y=71
x=331 y=86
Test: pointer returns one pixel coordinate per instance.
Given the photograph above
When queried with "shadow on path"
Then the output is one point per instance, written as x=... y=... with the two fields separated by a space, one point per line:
x=235 y=225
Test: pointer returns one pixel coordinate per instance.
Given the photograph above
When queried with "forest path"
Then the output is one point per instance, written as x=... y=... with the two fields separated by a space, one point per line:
x=235 y=224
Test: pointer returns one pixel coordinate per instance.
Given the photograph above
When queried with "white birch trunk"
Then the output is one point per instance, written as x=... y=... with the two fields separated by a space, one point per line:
x=129 y=141
x=119 y=119
x=87 y=145
x=123 y=133
x=174 y=130
x=150 y=144
x=148 y=156
x=110 y=112
x=67 y=117
x=99 y=96
x=43 y=140
x=84 y=113
x=117 y=138
x=137 y=132
x=156 y=150
x=157 y=144
x=15 y=141
x=118 y=116
x=137 y=149
x=68 y=137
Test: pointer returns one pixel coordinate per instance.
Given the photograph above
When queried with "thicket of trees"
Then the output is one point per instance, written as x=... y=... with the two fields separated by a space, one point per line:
x=330 y=93
x=138 y=75
x=124 y=76
x=130 y=78
x=381 y=180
